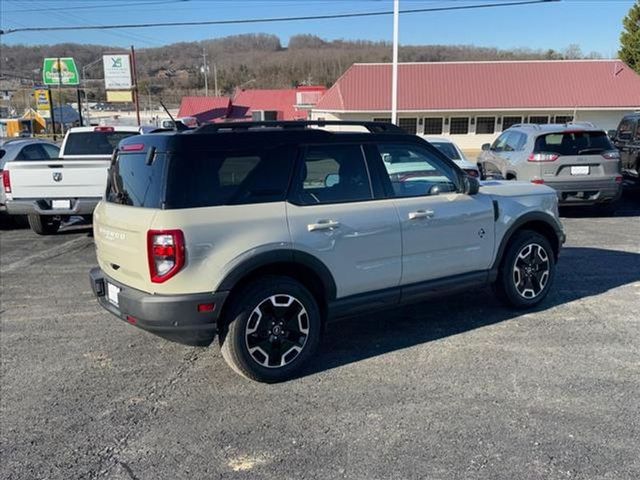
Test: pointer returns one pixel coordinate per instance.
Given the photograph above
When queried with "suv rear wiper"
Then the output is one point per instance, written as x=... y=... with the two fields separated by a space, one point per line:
x=590 y=150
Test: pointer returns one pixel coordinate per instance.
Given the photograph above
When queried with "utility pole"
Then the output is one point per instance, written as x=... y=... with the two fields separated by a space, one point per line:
x=205 y=71
x=136 y=92
x=394 y=72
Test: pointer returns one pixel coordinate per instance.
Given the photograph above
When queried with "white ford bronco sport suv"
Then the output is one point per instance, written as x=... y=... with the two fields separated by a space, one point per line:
x=262 y=232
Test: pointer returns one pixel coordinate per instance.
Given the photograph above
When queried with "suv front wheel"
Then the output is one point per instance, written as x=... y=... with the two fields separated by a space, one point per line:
x=272 y=328
x=527 y=270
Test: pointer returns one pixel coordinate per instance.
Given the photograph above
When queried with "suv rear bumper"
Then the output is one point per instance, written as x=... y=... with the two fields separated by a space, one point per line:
x=174 y=317
x=586 y=192
x=42 y=206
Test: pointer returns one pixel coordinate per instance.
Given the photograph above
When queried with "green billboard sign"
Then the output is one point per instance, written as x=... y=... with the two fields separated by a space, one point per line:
x=60 y=71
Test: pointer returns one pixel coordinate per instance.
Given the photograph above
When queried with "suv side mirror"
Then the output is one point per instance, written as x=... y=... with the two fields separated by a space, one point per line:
x=612 y=134
x=486 y=146
x=471 y=185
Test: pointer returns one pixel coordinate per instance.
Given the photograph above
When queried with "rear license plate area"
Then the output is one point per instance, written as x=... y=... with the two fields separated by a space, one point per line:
x=112 y=294
x=61 y=204
x=580 y=170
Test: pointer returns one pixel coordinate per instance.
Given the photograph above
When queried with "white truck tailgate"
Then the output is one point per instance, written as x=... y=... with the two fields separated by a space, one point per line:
x=58 y=178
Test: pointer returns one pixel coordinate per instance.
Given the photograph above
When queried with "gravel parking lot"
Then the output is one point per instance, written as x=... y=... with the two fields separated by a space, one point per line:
x=458 y=388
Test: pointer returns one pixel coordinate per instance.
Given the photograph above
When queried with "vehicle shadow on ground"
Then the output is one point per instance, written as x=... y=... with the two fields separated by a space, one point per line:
x=582 y=273
x=627 y=206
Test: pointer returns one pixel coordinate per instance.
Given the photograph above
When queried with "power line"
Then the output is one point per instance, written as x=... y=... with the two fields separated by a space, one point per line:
x=91 y=7
x=273 y=19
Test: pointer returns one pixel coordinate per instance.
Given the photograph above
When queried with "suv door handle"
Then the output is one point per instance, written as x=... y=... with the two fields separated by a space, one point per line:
x=323 y=225
x=421 y=214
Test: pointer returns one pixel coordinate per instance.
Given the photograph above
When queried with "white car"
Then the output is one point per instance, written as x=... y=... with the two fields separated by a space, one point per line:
x=452 y=151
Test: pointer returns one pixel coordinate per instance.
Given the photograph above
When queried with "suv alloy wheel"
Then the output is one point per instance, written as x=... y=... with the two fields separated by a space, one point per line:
x=273 y=327
x=527 y=270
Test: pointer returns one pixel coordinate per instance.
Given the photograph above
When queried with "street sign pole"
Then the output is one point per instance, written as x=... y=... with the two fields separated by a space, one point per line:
x=60 y=97
x=53 y=115
x=135 y=83
x=79 y=107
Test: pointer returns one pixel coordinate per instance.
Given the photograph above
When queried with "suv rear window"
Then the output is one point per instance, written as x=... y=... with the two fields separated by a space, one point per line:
x=573 y=143
x=200 y=179
x=94 y=143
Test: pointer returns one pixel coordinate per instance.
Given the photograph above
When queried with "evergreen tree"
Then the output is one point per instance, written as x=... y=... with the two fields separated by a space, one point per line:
x=630 y=38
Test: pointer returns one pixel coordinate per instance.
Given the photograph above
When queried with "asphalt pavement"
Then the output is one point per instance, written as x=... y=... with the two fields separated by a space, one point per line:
x=455 y=388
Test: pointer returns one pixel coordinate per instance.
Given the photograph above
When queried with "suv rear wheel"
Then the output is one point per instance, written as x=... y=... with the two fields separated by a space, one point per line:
x=44 y=224
x=273 y=327
x=527 y=270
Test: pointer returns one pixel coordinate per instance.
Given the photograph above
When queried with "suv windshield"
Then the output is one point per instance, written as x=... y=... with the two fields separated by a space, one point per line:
x=94 y=143
x=573 y=143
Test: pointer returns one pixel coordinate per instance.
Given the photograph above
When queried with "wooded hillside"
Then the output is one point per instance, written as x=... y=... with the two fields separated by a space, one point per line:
x=255 y=61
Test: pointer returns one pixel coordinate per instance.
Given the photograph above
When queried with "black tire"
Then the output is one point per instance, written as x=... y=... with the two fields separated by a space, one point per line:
x=43 y=224
x=244 y=326
x=88 y=219
x=530 y=290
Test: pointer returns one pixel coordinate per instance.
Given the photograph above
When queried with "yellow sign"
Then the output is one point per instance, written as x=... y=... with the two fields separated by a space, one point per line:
x=43 y=105
x=119 y=96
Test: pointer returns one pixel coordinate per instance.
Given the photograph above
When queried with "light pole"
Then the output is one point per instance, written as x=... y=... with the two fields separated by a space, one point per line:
x=205 y=71
x=394 y=67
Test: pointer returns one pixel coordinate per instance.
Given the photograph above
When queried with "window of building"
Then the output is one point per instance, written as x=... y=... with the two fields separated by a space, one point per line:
x=485 y=125
x=508 y=122
x=383 y=119
x=563 y=119
x=409 y=125
x=459 y=126
x=539 y=119
x=433 y=126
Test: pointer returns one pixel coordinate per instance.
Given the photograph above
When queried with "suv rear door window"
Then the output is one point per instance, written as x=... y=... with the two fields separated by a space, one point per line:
x=207 y=179
x=132 y=182
x=573 y=143
x=332 y=174
x=94 y=143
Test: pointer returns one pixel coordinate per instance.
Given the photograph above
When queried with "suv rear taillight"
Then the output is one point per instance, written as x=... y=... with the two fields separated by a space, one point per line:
x=166 y=253
x=543 y=157
x=6 y=180
x=611 y=155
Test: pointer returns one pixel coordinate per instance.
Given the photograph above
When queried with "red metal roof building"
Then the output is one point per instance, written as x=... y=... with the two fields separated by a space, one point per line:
x=205 y=109
x=474 y=99
x=283 y=104
x=276 y=104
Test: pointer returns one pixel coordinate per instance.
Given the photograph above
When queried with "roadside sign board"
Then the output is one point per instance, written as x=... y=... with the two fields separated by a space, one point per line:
x=43 y=104
x=114 y=96
x=56 y=69
x=117 y=71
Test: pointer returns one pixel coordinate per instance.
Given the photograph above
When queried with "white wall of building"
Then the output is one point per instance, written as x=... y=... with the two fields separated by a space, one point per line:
x=472 y=141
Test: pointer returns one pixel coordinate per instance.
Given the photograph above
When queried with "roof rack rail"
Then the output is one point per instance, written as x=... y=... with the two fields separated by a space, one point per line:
x=582 y=124
x=527 y=125
x=372 y=127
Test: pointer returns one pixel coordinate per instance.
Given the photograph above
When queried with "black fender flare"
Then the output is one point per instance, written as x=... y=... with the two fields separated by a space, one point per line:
x=529 y=217
x=289 y=256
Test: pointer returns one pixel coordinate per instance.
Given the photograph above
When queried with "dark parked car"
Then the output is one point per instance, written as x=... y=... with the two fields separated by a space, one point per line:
x=627 y=139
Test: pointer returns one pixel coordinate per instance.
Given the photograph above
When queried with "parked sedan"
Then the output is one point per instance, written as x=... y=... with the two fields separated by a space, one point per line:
x=452 y=151
x=22 y=149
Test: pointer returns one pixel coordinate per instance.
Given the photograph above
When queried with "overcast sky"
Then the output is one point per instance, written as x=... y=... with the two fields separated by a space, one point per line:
x=594 y=25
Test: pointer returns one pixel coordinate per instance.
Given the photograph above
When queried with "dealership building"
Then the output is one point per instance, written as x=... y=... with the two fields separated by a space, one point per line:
x=473 y=102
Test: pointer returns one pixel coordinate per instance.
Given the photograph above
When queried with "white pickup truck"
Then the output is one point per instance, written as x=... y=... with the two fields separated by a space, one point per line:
x=50 y=191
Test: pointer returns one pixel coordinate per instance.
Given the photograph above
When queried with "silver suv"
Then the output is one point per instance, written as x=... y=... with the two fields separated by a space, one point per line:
x=577 y=160
x=263 y=232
